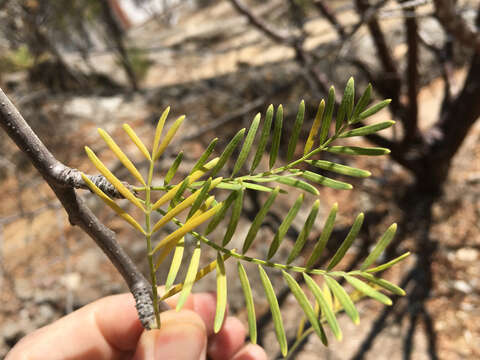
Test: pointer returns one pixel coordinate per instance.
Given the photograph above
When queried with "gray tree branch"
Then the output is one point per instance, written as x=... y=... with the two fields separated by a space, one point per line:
x=63 y=181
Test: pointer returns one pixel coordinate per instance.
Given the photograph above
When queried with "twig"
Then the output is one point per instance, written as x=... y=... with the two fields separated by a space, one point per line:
x=60 y=179
x=330 y=16
x=411 y=125
x=456 y=25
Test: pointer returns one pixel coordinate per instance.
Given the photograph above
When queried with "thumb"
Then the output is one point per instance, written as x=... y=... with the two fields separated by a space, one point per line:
x=182 y=336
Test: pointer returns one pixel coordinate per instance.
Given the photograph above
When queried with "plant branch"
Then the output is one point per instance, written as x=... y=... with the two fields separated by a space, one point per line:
x=60 y=178
x=411 y=123
x=325 y=10
x=456 y=25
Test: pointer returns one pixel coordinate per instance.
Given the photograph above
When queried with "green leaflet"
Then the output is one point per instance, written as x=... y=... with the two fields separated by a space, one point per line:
x=387 y=285
x=322 y=241
x=277 y=134
x=236 y=212
x=247 y=292
x=325 y=181
x=284 y=226
x=220 y=215
x=267 y=125
x=203 y=193
x=228 y=151
x=327 y=120
x=178 y=195
x=374 y=109
x=338 y=168
x=388 y=264
x=190 y=277
x=302 y=237
x=355 y=150
x=173 y=169
x=221 y=294
x=305 y=305
x=315 y=127
x=296 y=131
x=346 y=106
x=275 y=310
x=381 y=245
x=291 y=181
x=257 y=187
x=352 y=234
x=343 y=298
x=367 y=290
x=368 y=129
x=121 y=156
x=203 y=158
x=325 y=306
x=362 y=103
x=247 y=145
x=257 y=222
x=175 y=265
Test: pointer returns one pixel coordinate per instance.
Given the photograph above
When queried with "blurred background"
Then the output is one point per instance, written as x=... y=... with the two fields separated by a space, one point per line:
x=73 y=66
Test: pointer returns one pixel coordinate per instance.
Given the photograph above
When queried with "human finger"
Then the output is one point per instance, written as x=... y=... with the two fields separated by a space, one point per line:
x=250 y=352
x=230 y=338
x=182 y=336
x=105 y=329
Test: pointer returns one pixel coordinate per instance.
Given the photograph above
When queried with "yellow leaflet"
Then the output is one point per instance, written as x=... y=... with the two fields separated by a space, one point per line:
x=136 y=140
x=112 y=204
x=121 y=156
x=200 y=274
x=167 y=249
x=315 y=127
x=182 y=206
x=166 y=140
x=193 y=177
x=158 y=131
x=187 y=227
x=112 y=178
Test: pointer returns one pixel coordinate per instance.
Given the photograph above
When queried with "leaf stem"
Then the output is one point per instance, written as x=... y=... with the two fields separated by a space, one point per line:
x=148 y=237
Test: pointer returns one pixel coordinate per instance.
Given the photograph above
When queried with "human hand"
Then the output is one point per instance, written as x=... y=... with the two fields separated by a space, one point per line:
x=109 y=329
